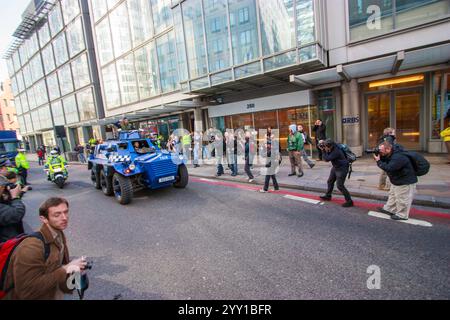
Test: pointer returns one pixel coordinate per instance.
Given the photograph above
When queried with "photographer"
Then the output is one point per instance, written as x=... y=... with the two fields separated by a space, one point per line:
x=389 y=136
x=34 y=274
x=331 y=152
x=403 y=178
x=12 y=210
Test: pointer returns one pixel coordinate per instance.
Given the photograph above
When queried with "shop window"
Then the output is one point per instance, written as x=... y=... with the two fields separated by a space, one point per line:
x=242 y=121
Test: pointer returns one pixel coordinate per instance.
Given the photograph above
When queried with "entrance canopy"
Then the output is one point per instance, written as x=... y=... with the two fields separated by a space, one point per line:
x=403 y=60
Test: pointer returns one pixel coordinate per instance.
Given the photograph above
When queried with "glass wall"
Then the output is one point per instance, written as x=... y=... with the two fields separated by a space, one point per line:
x=104 y=42
x=141 y=20
x=127 y=79
x=167 y=62
x=370 y=18
x=147 y=71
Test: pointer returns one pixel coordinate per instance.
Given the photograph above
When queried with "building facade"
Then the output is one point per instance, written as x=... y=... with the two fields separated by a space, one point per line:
x=54 y=75
x=358 y=65
x=8 y=116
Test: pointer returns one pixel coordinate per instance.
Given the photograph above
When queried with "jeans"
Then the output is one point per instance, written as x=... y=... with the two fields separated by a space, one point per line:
x=306 y=158
x=338 y=175
x=82 y=158
x=23 y=173
x=196 y=153
x=41 y=161
x=234 y=165
x=274 y=180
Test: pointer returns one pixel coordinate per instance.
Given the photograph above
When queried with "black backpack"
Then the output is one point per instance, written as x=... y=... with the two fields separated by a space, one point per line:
x=349 y=155
x=420 y=165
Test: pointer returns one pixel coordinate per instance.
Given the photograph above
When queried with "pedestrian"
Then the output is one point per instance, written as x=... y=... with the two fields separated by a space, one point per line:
x=80 y=151
x=306 y=141
x=31 y=274
x=220 y=149
x=22 y=165
x=197 y=143
x=295 y=147
x=445 y=134
x=388 y=135
x=12 y=210
x=403 y=178
x=249 y=150
x=44 y=149
x=233 y=153
x=272 y=163
x=41 y=158
x=320 y=132
x=331 y=152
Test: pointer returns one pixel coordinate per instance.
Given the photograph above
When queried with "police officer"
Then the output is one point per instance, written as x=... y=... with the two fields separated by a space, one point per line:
x=22 y=165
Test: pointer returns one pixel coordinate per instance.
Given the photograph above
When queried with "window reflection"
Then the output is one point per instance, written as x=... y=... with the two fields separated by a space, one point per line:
x=120 y=30
x=146 y=71
x=167 y=62
x=111 y=86
x=127 y=79
x=104 y=42
x=141 y=20
x=75 y=38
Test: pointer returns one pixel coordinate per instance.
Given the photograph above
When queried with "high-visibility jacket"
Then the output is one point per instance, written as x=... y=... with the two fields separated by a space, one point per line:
x=187 y=140
x=22 y=162
x=445 y=134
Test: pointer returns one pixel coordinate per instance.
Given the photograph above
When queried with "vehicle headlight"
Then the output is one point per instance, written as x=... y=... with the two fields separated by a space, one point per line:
x=132 y=167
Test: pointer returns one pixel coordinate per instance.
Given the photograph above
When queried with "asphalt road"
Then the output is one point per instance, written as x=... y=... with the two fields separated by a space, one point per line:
x=226 y=241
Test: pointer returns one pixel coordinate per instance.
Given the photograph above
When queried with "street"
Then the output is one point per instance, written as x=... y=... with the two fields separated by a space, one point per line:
x=217 y=240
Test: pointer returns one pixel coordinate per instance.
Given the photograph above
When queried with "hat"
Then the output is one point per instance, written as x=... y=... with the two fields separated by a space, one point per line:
x=4 y=162
x=3 y=181
x=293 y=127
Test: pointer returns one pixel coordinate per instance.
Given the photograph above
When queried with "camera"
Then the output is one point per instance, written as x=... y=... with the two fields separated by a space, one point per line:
x=89 y=265
x=375 y=151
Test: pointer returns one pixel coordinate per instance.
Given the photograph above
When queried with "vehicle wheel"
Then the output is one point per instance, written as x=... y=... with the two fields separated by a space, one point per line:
x=60 y=182
x=182 y=178
x=106 y=184
x=123 y=189
x=95 y=179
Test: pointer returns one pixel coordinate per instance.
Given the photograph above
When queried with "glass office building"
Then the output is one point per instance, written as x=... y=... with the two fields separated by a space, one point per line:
x=52 y=69
x=249 y=64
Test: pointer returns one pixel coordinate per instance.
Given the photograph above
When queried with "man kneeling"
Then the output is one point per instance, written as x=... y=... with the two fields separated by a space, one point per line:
x=33 y=276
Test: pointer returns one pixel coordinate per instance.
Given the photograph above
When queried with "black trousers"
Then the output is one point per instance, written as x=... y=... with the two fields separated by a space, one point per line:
x=23 y=173
x=338 y=175
x=267 y=181
x=247 y=169
x=319 y=150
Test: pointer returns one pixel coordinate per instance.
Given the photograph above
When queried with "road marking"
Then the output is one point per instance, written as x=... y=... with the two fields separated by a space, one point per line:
x=409 y=221
x=302 y=199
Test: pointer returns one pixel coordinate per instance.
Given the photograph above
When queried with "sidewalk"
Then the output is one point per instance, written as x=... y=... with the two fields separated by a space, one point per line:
x=432 y=190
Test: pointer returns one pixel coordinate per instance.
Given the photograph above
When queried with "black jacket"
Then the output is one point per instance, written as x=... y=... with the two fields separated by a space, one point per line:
x=398 y=168
x=11 y=216
x=337 y=158
x=320 y=132
x=307 y=138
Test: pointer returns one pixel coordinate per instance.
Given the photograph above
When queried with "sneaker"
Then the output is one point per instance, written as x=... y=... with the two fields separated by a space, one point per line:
x=325 y=197
x=348 y=204
x=312 y=165
x=381 y=209
x=301 y=174
x=291 y=174
x=276 y=189
x=218 y=174
x=263 y=191
x=250 y=180
x=233 y=174
x=398 y=218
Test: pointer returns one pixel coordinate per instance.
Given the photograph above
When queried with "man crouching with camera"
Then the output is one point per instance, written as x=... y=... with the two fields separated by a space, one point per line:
x=39 y=268
x=339 y=171
x=403 y=180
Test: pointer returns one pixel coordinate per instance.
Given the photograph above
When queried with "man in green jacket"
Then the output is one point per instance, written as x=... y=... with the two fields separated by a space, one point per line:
x=295 y=149
x=22 y=165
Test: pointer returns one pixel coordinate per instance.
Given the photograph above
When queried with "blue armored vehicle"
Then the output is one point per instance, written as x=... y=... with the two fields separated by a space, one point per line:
x=131 y=163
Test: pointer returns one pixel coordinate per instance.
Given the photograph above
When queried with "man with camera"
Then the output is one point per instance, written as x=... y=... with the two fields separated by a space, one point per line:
x=12 y=210
x=331 y=152
x=403 y=180
x=39 y=269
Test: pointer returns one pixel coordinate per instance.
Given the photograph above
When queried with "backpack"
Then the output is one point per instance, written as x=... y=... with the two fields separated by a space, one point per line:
x=420 y=165
x=349 y=155
x=6 y=250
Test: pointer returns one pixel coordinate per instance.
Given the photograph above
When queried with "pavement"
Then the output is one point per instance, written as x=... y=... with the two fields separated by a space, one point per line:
x=433 y=189
x=224 y=240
